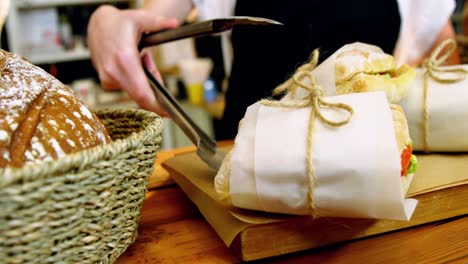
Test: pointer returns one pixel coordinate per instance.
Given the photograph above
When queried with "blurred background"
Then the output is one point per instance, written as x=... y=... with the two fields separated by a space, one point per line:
x=52 y=35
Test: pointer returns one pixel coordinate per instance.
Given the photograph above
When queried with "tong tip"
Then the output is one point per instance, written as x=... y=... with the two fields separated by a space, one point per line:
x=248 y=20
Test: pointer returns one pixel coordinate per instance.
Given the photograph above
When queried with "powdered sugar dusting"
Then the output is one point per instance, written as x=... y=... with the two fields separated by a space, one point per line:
x=53 y=123
x=6 y=155
x=71 y=123
x=20 y=84
x=4 y=136
x=28 y=155
x=37 y=147
x=88 y=127
x=62 y=133
x=58 y=149
x=57 y=122
x=86 y=112
x=102 y=137
x=71 y=143
x=13 y=126
x=65 y=91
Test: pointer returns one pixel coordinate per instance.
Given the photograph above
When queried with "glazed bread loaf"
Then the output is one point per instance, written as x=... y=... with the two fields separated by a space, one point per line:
x=41 y=118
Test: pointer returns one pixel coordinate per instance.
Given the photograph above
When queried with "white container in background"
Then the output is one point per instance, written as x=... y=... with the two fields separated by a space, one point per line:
x=194 y=73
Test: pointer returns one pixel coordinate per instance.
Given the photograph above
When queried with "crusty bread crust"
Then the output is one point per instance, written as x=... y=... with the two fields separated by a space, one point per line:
x=395 y=87
x=403 y=140
x=401 y=127
x=363 y=60
x=406 y=183
x=41 y=118
x=364 y=70
x=221 y=183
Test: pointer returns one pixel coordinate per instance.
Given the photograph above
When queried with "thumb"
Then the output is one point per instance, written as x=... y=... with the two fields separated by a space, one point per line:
x=148 y=22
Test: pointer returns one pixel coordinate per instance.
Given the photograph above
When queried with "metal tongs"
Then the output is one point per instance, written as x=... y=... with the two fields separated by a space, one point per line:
x=203 y=28
x=206 y=146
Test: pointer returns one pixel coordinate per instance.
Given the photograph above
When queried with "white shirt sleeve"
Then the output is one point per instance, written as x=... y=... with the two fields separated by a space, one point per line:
x=421 y=22
x=210 y=9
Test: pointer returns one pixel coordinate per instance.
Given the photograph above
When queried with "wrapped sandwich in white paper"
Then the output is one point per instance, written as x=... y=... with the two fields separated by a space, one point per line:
x=354 y=169
x=361 y=67
x=357 y=167
x=437 y=105
x=434 y=98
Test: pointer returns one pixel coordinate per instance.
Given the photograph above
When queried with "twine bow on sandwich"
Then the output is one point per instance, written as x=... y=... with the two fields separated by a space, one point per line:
x=438 y=58
x=440 y=74
x=303 y=78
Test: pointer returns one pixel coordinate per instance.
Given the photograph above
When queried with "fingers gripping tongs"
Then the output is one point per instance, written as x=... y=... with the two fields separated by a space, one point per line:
x=206 y=146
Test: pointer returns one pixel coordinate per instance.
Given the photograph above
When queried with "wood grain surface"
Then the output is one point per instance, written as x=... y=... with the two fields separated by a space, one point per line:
x=160 y=176
x=173 y=231
x=253 y=242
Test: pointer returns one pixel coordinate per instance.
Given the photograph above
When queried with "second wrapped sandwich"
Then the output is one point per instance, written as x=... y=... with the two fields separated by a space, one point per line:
x=436 y=105
x=342 y=156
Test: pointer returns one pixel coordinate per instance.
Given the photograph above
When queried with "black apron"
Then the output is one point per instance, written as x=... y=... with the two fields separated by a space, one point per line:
x=265 y=57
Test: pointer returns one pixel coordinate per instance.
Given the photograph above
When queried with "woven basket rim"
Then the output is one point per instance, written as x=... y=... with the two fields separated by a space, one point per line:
x=151 y=129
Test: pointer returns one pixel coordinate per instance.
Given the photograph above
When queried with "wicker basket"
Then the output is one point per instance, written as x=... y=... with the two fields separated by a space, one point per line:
x=85 y=207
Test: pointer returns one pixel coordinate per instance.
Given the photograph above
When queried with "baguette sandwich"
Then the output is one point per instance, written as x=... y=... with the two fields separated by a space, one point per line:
x=404 y=144
x=367 y=68
x=408 y=160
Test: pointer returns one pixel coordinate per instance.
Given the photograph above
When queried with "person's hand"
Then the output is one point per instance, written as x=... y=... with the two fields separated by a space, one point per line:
x=113 y=38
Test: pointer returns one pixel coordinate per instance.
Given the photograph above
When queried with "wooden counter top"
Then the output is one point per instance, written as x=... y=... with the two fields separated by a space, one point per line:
x=173 y=231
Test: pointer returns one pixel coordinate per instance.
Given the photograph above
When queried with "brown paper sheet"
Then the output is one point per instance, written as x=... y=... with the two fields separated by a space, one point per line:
x=196 y=180
x=439 y=171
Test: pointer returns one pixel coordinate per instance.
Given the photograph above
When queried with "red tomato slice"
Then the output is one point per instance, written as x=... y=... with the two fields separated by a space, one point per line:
x=405 y=159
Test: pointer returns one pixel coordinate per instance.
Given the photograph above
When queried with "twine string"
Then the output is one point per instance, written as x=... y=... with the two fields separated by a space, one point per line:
x=303 y=78
x=436 y=72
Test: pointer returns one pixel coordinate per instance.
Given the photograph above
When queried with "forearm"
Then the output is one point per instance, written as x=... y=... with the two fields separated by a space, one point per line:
x=169 y=8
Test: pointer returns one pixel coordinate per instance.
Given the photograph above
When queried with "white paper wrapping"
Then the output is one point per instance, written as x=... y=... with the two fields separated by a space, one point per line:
x=356 y=167
x=447 y=105
x=324 y=73
x=244 y=154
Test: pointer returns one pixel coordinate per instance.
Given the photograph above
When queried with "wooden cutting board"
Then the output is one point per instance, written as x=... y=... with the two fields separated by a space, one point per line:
x=286 y=234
